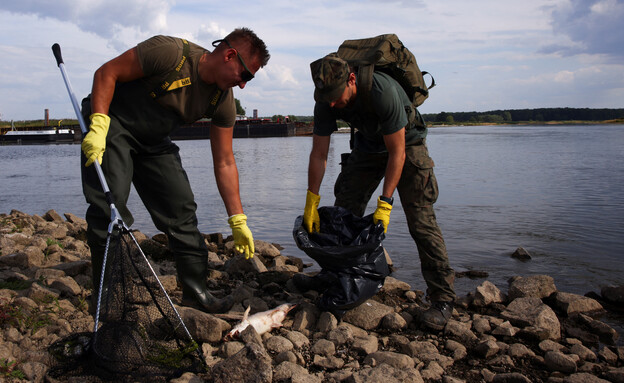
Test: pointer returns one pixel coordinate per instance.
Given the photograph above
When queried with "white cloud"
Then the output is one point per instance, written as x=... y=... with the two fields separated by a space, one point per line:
x=209 y=33
x=590 y=26
x=564 y=76
x=484 y=54
x=115 y=20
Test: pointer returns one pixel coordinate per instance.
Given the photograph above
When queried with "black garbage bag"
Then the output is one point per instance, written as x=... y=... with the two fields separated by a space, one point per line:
x=350 y=249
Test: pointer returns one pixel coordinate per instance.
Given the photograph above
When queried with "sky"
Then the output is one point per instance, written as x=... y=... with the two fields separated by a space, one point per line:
x=484 y=54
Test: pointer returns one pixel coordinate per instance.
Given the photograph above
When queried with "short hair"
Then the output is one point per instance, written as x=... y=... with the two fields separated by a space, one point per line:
x=257 y=48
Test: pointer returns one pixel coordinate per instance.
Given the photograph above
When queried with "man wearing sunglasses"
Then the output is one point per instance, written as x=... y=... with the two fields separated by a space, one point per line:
x=137 y=99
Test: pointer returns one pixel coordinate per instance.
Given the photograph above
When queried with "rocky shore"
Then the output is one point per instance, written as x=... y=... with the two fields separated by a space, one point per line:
x=527 y=331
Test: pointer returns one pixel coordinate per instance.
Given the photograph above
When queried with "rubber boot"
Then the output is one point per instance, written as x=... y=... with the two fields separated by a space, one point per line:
x=437 y=315
x=192 y=272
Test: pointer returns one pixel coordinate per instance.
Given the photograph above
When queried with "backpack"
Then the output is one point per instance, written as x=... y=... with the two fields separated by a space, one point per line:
x=386 y=53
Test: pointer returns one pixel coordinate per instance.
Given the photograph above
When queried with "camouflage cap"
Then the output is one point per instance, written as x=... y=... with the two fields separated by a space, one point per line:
x=330 y=75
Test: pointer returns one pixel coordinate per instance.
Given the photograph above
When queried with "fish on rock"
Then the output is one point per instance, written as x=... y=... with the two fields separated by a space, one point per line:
x=263 y=321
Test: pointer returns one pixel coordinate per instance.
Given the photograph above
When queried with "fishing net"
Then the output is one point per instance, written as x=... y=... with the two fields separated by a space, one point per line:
x=140 y=335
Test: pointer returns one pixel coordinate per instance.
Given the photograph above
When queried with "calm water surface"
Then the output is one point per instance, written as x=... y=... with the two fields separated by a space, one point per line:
x=557 y=191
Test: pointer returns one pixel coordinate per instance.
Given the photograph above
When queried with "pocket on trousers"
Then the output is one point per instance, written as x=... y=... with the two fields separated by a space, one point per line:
x=418 y=155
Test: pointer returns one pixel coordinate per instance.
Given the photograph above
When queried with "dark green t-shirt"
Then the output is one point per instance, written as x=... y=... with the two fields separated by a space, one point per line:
x=151 y=120
x=190 y=98
x=391 y=107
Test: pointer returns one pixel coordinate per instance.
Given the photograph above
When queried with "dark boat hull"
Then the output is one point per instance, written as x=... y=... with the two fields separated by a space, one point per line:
x=201 y=130
x=43 y=138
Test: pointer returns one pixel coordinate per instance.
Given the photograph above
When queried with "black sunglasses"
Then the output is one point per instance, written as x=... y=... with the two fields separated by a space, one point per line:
x=246 y=75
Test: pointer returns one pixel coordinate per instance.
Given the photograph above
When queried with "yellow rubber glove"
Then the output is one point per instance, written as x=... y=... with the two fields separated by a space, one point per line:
x=94 y=142
x=311 y=220
x=243 y=240
x=382 y=213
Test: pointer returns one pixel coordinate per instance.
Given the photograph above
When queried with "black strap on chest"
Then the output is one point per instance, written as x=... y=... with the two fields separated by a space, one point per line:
x=162 y=88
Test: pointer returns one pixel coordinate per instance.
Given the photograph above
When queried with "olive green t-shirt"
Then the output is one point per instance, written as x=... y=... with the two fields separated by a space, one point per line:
x=391 y=107
x=189 y=96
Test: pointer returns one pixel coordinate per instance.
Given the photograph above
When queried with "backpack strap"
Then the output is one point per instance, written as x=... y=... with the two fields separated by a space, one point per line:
x=164 y=86
x=364 y=86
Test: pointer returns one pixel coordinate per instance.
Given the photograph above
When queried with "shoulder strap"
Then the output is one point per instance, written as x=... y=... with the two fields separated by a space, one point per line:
x=162 y=88
x=215 y=99
x=364 y=86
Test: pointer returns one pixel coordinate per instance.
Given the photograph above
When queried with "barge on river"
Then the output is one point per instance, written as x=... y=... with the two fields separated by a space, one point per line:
x=251 y=128
x=64 y=135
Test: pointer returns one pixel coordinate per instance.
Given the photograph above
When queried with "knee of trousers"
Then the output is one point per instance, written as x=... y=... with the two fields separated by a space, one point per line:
x=189 y=244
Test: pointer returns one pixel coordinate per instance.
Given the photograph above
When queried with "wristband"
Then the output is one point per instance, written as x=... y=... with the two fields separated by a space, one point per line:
x=387 y=200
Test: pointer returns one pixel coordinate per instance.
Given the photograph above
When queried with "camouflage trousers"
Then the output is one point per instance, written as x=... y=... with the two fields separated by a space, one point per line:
x=418 y=190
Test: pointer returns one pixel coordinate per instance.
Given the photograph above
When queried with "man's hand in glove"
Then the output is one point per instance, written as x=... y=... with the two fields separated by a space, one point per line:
x=243 y=240
x=311 y=220
x=382 y=213
x=94 y=143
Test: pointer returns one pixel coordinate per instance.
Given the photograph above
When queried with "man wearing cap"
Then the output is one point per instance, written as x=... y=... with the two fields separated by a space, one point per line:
x=389 y=144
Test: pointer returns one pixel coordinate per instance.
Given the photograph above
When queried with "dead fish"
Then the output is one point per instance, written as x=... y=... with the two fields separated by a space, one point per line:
x=263 y=321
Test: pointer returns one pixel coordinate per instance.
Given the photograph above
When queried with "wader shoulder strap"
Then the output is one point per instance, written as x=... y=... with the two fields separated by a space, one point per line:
x=162 y=88
x=214 y=102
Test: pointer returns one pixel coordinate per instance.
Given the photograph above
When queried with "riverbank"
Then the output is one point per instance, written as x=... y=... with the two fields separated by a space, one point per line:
x=527 y=123
x=526 y=331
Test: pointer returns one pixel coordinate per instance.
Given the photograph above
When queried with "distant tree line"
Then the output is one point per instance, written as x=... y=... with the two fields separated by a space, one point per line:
x=509 y=116
x=521 y=115
x=493 y=116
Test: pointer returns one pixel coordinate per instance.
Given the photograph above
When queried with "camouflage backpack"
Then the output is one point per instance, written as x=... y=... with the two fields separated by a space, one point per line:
x=386 y=53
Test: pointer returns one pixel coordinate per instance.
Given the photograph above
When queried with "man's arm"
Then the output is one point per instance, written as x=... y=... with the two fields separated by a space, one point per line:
x=318 y=162
x=395 y=143
x=123 y=68
x=316 y=171
x=226 y=172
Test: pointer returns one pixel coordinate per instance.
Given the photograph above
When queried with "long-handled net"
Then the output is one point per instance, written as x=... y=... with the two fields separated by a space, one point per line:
x=138 y=333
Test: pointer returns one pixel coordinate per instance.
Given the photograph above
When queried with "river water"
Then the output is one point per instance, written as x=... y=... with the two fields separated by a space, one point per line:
x=557 y=191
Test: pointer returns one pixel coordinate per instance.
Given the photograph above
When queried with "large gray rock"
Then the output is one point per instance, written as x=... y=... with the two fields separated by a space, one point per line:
x=416 y=348
x=341 y=335
x=395 y=286
x=487 y=293
x=239 y=265
x=613 y=294
x=203 y=327
x=386 y=374
x=252 y=364
x=29 y=257
x=583 y=377
x=590 y=330
x=365 y=345
x=532 y=312
x=538 y=286
x=569 y=303
x=510 y=377
x=265 y=249
x=558 y=361
x=368 y=315
x=287 y=370
x=615 y=375
x=390 y=358
x=459 y=330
